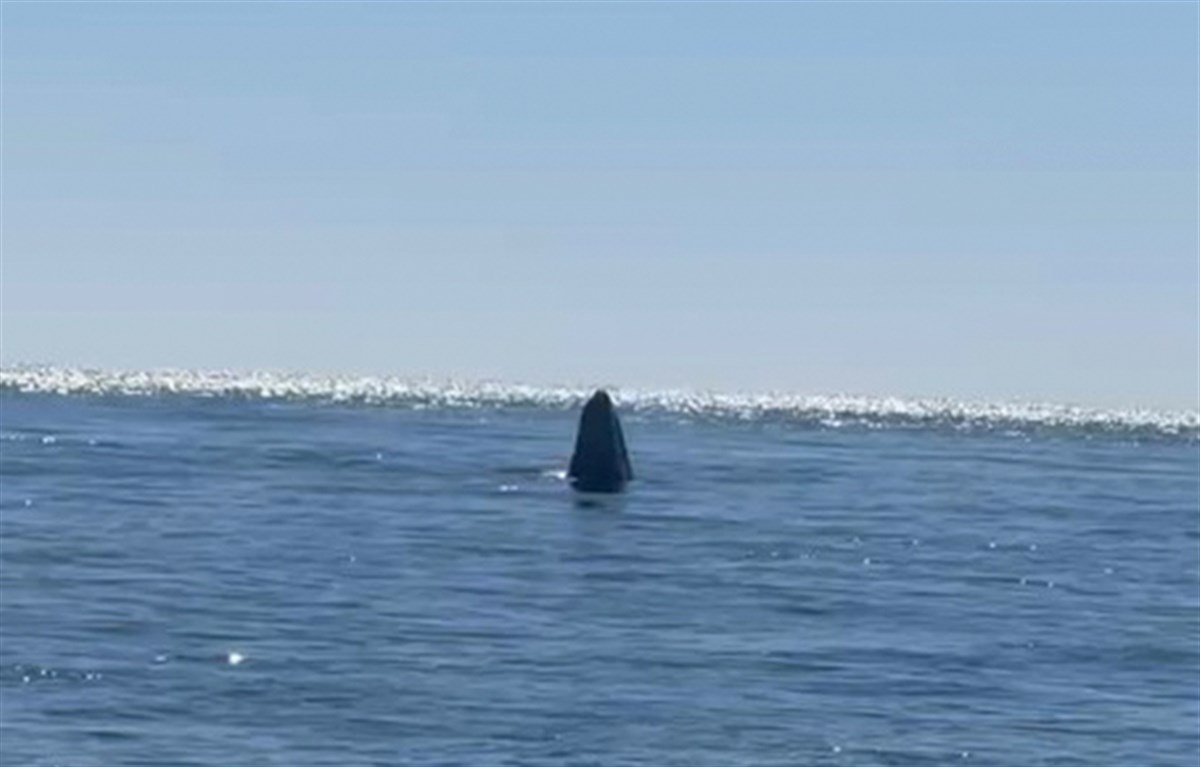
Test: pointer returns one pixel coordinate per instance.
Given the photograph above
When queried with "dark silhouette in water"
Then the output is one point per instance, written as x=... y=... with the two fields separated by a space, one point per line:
x=601 y=462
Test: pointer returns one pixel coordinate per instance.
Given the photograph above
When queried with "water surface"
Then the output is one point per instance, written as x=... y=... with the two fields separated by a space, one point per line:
x=206 y=578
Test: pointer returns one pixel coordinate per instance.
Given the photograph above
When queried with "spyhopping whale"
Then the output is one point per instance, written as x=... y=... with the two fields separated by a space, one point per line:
x=600 y=463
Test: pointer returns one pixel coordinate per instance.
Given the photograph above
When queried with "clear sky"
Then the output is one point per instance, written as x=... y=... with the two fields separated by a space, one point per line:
x=978 y=200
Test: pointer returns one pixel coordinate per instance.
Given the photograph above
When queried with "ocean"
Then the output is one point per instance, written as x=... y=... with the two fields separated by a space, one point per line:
x=261 y=569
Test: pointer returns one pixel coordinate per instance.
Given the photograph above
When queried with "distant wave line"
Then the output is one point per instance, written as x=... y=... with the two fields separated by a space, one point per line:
x=828 y=410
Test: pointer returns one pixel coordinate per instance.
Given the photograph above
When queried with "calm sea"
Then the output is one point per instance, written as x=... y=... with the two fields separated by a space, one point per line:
x=202 y=569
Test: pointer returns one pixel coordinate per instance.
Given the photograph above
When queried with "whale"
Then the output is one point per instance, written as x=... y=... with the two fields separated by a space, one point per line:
x=600 y=463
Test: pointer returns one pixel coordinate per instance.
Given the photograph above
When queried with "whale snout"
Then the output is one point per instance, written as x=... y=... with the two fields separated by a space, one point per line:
x=600 y=463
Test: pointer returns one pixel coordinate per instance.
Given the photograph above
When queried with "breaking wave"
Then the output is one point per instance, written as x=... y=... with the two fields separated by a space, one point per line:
x=826 y=410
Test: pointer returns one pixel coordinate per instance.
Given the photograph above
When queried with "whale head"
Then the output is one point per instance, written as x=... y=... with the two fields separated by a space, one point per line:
x=600 y=463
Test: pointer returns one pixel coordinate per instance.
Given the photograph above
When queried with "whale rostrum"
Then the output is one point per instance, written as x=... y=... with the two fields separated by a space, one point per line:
x=600 y=463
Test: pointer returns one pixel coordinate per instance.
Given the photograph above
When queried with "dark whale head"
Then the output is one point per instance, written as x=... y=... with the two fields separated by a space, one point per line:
x=601 y=462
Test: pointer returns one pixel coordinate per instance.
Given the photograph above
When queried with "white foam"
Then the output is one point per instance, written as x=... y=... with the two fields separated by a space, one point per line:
x=830 y=411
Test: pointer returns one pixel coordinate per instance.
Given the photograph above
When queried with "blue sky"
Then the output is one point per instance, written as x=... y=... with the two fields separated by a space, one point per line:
x=979 y=200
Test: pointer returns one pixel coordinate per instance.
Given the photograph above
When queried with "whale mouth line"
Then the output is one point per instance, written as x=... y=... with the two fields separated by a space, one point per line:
x=600 y=462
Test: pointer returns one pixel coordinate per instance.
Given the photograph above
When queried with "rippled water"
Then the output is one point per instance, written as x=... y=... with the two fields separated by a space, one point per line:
x=209 y=578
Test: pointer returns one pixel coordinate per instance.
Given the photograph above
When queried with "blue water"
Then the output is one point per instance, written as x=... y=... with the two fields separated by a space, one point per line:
x=222 y=580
